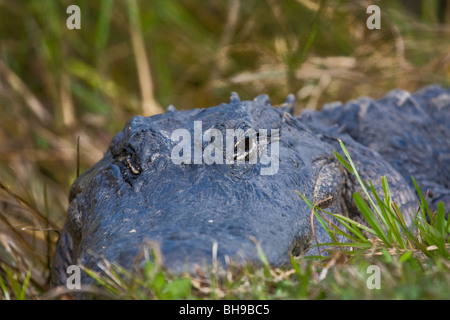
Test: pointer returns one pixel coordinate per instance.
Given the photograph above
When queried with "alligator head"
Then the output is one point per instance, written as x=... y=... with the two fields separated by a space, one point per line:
x=226 y=177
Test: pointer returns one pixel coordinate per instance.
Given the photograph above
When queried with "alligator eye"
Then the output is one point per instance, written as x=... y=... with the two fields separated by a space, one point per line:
x=246 y=147
x=244 y=154
x=129 y=162
x=247 y=144
x=136 y=169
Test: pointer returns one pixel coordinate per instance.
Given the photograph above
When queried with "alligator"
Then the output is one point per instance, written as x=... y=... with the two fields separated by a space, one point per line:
x=221 y=184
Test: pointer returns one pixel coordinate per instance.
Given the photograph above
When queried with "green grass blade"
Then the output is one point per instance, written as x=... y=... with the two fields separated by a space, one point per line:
x=22 y=295
x=305 y=198
x=353 y=231
x=385 y=185
x=399 y=216
x=103 y=25
x=4 y=289
x=447 y=223
x=390 y=219
x=440 y=218
x=405 y=256
x=102 y=281
x=324 y=224
x=354 y=226
x=179 y=288
x=363 y=185
x=361 y=245
x=13 y=282
x=343 y=162
x=381 y=207
x=370 y=218
x=317 y=215
x=336 y=230
x=423 y=202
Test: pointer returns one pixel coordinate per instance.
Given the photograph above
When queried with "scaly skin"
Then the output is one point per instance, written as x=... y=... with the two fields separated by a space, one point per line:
x=137 y=194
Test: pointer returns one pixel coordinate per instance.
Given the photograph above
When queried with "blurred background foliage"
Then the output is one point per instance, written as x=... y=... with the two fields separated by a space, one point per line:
x=137 y=57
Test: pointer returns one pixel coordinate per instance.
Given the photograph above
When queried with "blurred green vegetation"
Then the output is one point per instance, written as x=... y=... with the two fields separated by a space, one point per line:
x=137 y=57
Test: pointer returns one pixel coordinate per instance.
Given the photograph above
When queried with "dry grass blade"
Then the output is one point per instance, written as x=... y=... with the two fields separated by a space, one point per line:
x=63 y=293
x=26 y=238
x=28 y=208
x=149 y=105
x=21 y=88
x=313 y=214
